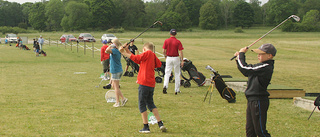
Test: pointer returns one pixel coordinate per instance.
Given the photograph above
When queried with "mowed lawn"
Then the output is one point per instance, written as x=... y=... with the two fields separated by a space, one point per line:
x=56 y=95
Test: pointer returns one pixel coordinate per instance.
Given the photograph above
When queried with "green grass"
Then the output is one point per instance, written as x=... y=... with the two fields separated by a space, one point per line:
x=42 y=96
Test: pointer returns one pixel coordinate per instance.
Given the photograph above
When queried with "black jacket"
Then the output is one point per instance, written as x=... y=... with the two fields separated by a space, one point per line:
x=259 y=76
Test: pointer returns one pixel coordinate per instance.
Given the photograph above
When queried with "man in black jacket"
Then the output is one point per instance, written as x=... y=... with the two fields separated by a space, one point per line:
x=259 y=76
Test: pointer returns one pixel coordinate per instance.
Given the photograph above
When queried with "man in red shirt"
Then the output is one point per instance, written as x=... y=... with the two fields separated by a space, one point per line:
x=148 y=62
x=104 y=57
x=171 y=49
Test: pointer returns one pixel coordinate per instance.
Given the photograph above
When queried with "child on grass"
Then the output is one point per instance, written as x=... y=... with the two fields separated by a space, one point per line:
x=116 y=71
x=259 y=76
x=148 y=62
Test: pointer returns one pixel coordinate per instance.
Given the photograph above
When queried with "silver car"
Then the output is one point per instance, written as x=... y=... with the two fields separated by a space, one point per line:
x=107 y=37
x=12 y=38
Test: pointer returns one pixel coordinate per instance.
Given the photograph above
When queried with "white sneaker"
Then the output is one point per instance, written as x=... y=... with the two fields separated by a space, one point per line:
x=124 y=101
x=116 y=105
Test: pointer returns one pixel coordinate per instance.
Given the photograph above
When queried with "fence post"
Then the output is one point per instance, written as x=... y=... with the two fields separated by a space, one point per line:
x=84 y=47
x=92 y=50
x=49 y=41
x=77 y=47
x=57 y=43
x=71 y=45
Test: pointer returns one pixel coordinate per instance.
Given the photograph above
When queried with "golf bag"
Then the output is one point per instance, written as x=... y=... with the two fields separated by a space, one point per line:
x=161 y=73
x=225 y=92
x=134 y=67
x=43 y=53
x=194 y=74
x=316 y=104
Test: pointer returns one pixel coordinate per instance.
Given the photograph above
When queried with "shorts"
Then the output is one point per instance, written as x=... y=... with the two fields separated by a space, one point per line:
x=106 y=65
x=37 y=50
x=116 y=76
x=146 y=98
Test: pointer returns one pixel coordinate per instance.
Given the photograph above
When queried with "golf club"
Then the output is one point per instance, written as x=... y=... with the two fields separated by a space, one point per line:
x=295 y=17
x=145 y=30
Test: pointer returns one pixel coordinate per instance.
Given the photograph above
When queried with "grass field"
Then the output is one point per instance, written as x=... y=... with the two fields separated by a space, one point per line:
x=43 y=96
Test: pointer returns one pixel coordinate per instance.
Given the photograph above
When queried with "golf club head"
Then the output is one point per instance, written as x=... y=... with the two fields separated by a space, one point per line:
x=208 y=67
x=158 y=22
x=295 y=17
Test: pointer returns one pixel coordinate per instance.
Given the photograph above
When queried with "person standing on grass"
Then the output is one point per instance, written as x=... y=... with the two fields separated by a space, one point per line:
x=41 y=41
x=37 y=49
x=116 y=71
x=105 y=59
x=171 y=49
x=132 y=48
x=259 y=77
x=148 y=62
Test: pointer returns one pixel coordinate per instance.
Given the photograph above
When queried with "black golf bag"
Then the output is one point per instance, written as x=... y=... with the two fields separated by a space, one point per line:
x=225 y=92
x=194 y=74
x=43 y=53
x=134 y=67
x=161 y=73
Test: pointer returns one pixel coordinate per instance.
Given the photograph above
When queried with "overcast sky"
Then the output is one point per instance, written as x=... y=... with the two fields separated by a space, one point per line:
x=23 y=1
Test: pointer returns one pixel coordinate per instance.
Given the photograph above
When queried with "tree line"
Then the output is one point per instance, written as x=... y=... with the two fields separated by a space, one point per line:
x=73 y=15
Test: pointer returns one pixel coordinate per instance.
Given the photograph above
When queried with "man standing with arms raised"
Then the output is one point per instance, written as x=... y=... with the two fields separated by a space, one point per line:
x=172 y=51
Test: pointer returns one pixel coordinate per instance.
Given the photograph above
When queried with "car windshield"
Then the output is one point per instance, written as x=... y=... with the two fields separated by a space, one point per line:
x=110 y=35
x=87 y=35
x=70 y=36
x=12 y=35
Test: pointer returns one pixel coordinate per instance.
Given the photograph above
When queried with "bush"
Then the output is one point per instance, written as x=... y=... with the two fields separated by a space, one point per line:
x=23 y=25
x=238 y=30
x=15 y=30
x=113 y=30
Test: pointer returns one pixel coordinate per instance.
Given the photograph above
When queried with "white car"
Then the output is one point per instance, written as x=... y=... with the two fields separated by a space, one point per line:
x=11 y=38
x=107 y=37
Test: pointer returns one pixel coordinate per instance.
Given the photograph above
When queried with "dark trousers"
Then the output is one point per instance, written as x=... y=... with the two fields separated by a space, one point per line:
x=257 y=118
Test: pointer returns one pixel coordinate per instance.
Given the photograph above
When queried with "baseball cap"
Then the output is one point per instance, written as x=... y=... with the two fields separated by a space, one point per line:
x=173 y=31
x=266 y=48
x=104 y=41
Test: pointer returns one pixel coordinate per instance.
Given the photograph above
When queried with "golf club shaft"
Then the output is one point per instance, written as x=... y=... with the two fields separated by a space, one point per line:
x=145 y=30
x=264 y=35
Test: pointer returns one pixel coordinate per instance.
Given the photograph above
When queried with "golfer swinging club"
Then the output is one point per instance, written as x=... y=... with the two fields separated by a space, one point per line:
x=171 y=48
x=259 y=76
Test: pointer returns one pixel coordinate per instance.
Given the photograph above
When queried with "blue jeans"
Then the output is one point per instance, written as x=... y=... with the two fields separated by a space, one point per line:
x=146 y=98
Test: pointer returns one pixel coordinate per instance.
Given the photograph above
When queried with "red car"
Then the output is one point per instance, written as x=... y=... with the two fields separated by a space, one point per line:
x=70 y=37
x=86 y=37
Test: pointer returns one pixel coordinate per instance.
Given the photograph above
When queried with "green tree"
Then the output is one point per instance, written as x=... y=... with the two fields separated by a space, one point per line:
x=278 y=10
x=193 y=7
x=131 y=13
x=171 y=20
x=182 y=10
x=37 y=17
x=54 y=13
x=226 y=11
x=312 y=18
x=11 y=13
x=103 y=12
x=76 y=17
x=258 y=15
x=154 y=10
x=243 y=15
x=208 y=17
x=25 y=12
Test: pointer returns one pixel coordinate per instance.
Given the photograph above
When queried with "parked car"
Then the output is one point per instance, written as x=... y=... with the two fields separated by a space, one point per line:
x=86 y=37
x=12 y=38
x=64 y=37
x=107 y=37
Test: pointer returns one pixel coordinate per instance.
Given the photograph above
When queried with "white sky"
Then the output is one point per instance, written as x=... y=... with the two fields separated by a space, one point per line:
x=23 y=1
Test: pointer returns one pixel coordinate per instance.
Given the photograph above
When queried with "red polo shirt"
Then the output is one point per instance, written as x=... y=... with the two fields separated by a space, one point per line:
x=172 y=45
x=148 y=62
x=103 y=54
